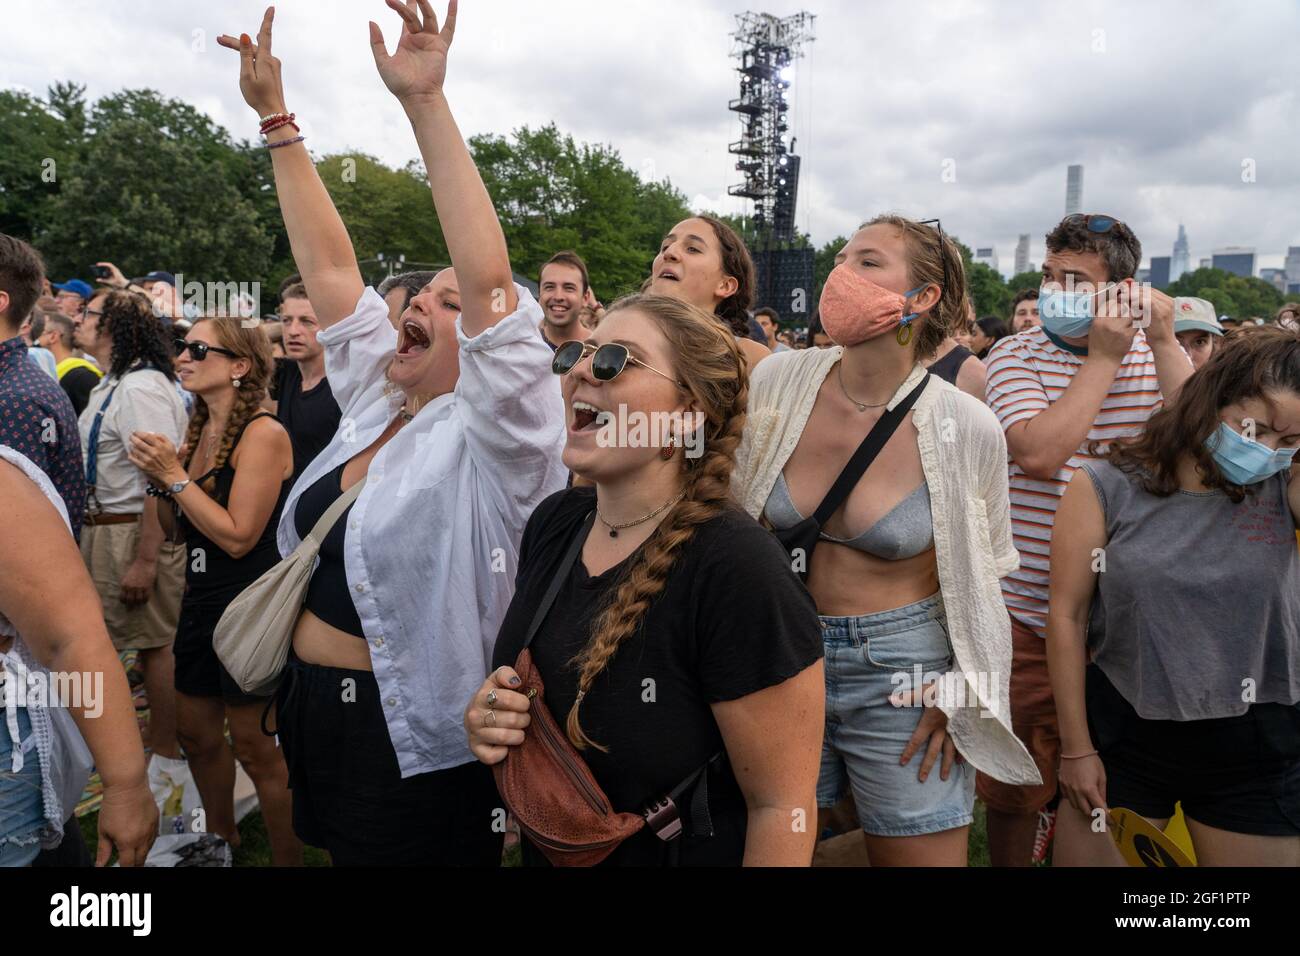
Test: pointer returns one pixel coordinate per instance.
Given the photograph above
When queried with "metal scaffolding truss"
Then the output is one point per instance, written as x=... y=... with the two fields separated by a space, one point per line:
x=767 y=47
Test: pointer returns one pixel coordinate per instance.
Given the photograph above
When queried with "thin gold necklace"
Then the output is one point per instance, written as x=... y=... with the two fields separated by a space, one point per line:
x=862 y=407
x=614 y=529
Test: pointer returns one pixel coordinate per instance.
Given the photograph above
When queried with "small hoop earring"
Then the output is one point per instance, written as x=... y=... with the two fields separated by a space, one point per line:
x=904 y=335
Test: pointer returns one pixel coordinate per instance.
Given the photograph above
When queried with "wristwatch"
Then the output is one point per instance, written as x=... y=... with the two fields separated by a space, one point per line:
x=155 y=492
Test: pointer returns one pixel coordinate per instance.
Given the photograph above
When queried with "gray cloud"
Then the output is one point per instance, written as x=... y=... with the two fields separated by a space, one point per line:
x=1161 y=101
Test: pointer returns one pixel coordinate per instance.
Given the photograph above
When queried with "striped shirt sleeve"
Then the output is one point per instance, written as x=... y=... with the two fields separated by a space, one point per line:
x=1014 y=391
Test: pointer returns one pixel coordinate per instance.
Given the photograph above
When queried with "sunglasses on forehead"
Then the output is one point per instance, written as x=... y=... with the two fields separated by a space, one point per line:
x=607 y=361
x=1094 y=222
x=199 y=350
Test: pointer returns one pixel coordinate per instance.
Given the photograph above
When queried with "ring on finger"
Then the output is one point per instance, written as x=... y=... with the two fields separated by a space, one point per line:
x=491 y=699
x=489 y=714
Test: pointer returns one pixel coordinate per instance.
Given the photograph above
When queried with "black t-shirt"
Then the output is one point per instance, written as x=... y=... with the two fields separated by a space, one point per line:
x=709 y=636
x=79 y=383
x=311 y=418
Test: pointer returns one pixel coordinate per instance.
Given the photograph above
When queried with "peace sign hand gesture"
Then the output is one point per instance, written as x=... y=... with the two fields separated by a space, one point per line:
x=418 y=68
x=259 y=71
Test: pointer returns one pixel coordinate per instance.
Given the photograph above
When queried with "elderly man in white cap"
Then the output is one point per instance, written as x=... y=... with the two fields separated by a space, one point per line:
x=1197 y=329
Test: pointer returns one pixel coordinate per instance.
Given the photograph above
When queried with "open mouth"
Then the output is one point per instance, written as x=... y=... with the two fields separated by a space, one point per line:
x=415 y=341
x=669 y=276
x=586 y=416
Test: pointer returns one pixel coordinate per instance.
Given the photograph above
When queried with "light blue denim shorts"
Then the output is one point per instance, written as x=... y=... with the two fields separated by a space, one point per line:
x=22 y=804
x=868 y=660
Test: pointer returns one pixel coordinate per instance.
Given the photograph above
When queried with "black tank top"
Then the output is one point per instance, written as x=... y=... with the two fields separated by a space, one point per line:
x=328 y=596
x=948 y=366
x=212 y=576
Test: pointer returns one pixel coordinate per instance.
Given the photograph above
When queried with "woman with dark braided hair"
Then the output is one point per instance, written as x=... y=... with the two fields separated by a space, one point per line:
x=228 y=485
x=139 y=575
x=658 y=653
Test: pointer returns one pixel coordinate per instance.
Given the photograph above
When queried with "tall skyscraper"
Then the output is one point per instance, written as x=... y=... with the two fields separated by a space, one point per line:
x=1022 y=254
x=1159 y=275
x=1073 y=190
x=1181 y=261
x=1292 y=265
x=1239 y=260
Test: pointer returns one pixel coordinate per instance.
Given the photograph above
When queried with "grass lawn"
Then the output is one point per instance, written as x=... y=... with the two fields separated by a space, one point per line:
x=255 y=850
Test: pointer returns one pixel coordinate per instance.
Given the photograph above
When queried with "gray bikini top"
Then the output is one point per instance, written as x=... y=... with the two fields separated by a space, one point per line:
x=905 y=532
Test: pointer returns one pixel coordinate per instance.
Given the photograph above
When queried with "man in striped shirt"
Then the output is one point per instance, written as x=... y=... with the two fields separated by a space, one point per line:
x=1094 y=371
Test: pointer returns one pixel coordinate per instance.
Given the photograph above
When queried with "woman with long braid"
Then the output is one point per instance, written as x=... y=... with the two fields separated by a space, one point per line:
x=228 y=491
x=658 y=649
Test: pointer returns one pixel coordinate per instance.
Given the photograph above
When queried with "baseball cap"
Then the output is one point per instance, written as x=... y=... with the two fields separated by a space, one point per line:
x=1195 y=315
x=77 y=287
x=159 y=276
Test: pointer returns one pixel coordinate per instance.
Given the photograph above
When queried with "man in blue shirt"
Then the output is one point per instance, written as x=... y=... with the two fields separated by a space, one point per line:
x=36 y=417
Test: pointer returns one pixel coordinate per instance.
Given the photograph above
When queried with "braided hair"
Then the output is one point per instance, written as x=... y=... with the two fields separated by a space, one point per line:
x=248 y=343
x=709 y=362
x=138 y=336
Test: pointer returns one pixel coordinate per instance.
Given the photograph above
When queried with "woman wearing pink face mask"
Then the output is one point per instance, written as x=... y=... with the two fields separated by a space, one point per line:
x=905 y=573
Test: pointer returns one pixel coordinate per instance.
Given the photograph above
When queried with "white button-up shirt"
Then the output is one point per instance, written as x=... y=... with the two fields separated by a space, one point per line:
x=432 y=543
x=145 y=400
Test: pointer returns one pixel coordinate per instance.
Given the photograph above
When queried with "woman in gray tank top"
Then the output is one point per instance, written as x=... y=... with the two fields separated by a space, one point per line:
x=1175 y=569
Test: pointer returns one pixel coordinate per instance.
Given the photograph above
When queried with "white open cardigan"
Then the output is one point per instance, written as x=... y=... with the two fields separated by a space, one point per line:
x=964 y=458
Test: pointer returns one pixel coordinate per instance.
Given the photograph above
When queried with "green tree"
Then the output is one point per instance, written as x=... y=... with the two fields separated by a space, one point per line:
x=39 y=144
x=146 y=201
x=1024 y=280
x=388 y=211
x=1236 y=296
x=552 y=193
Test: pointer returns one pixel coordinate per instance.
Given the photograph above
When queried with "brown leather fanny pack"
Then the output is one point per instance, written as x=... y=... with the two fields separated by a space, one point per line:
x=549 y=788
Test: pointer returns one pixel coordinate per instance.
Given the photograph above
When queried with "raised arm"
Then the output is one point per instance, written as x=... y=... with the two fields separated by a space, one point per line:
x=415 y=74
x=317 y=236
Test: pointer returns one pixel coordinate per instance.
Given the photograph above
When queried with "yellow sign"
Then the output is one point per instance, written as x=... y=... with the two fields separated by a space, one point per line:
x=1141 y=843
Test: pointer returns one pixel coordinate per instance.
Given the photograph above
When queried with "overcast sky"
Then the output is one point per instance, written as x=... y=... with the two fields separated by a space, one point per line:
x=1162 y=102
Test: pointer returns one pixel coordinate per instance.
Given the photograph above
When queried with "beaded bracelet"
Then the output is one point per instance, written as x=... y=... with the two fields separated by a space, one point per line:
x=282 y=121
x=285 y=142
x=271 y=116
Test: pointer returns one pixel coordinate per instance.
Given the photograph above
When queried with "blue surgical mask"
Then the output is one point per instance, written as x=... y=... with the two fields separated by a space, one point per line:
x=1067 y=314
x=1245 y=461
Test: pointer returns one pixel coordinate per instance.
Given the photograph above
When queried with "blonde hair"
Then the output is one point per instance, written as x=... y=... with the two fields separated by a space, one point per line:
x=709 y=363
x=247 y=342
x=926 y=252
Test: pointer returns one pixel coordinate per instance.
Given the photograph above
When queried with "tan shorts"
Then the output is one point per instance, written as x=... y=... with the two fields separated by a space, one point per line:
x=108 y=551
x=1033 y=719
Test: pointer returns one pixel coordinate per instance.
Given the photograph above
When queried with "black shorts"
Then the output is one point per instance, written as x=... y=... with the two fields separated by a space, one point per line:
x=198 y=669
x=349 y=796
x=1239 y=774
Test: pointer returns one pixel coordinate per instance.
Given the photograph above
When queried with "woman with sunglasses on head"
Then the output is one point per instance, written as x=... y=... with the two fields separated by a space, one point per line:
x=905 y=574
x=1188 y=690
x=226 y=488
x=451 y=435
x=657 y=653
x=703 y=262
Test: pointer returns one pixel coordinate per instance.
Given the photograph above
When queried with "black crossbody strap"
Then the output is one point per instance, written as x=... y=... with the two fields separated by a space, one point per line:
x=876 y=439
x=561 y=572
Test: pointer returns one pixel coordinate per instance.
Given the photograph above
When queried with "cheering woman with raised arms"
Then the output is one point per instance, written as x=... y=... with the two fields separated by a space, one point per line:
x=456 y=427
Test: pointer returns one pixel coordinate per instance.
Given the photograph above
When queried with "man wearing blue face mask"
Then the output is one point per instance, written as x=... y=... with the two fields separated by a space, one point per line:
x=1096 y=370
x=1188 y=692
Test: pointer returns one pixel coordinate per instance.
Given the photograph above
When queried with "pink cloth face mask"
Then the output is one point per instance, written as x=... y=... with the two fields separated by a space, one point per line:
x=855 y=310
